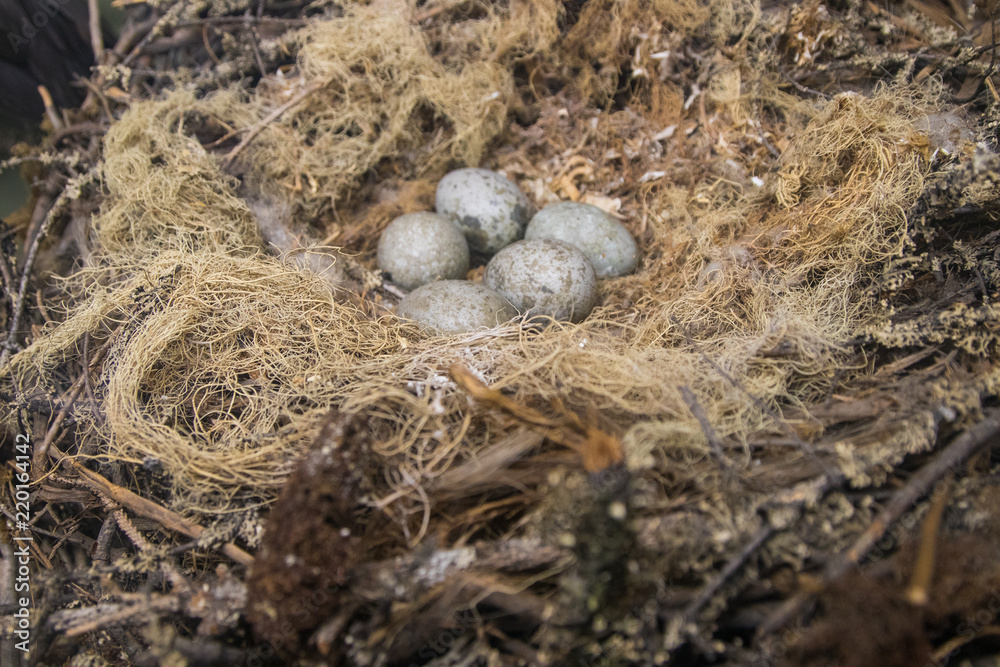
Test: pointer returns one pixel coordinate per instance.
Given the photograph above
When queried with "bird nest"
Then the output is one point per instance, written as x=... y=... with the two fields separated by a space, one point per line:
x=239 y=454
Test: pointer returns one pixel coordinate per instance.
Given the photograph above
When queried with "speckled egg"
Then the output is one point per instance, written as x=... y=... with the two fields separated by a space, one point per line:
x=605 y=241
x=489 y=208
x=544 y=277
x=418 y=248
x=455 y=306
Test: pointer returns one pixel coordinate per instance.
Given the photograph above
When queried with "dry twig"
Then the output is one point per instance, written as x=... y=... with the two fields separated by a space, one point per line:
x=598 y=449
x=50 y=436
x=706 y=426
x=923 y=568
x=273 y=116
x=73 y=186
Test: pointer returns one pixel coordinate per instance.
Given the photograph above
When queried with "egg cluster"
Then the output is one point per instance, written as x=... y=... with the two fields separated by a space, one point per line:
x=552 y=272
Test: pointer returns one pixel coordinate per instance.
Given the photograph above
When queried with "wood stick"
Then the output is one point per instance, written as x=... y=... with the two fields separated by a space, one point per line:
x=731 y=567
x=923 y=568
x=956 y=453
x=151 y=510
x=96 y=36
